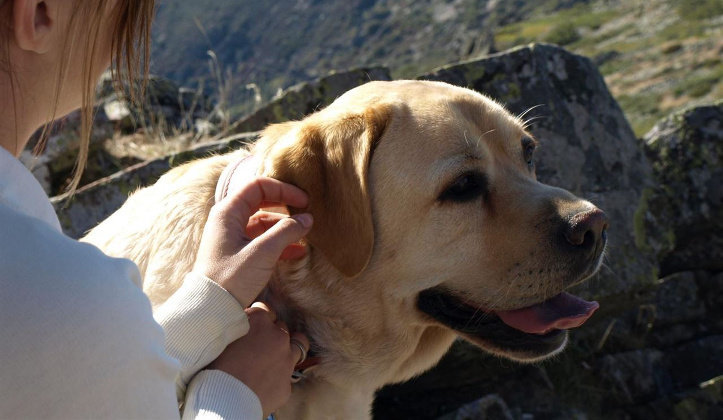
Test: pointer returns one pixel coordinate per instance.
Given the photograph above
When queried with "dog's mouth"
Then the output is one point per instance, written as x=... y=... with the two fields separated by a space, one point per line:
x=524 y=334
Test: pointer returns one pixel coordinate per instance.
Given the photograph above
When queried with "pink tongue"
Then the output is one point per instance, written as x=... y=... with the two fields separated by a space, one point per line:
x=560 y=312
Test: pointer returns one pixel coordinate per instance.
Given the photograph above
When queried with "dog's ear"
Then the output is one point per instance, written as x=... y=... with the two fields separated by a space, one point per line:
x=328 y=157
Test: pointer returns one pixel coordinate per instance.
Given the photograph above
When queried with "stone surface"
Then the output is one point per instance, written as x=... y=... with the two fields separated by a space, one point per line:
x=634 y=376
x=683 y=217
x=53 y=167
x=488 y=407
x=165 y=106
x=305 y=98
x=96 y=201
x=677 y=300
x=166 y=109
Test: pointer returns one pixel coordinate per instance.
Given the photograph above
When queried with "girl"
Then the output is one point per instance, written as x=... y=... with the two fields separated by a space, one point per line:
x=77 y=336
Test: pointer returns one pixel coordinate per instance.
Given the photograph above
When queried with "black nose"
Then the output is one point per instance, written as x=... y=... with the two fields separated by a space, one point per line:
x=587 y=228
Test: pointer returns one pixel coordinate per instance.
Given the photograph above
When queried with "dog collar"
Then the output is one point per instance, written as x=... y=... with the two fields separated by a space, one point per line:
x=299 y=372
x=234 y=174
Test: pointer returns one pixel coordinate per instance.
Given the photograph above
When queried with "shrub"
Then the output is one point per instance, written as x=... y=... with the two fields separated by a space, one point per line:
x=563 y=34
x=700 y=9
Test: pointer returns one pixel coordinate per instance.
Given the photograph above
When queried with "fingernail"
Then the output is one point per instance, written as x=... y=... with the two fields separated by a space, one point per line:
x=304 y=218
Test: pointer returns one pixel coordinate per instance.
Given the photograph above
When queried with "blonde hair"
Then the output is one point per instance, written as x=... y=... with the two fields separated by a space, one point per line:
x=130 y=59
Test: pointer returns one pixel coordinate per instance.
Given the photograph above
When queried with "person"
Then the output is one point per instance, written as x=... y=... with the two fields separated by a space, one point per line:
x=78 y=338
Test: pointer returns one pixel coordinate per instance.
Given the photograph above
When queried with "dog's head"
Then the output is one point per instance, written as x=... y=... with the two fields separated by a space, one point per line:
x=428 y=191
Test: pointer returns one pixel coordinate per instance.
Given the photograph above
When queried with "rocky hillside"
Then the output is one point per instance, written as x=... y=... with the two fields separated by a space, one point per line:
x=657 y=56
x=654 y=349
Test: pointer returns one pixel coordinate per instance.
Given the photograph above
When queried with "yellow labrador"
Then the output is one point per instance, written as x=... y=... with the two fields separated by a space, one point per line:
x=429 y=224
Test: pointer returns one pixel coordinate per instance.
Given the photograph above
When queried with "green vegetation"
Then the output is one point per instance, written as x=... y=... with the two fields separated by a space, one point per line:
x=661 y=46
x=699 y=85
x=646 y=85
x=700 y=9
x=671 y=48
x=561 y=27
x=680 y=30
x=645 y=107
x=563 y=34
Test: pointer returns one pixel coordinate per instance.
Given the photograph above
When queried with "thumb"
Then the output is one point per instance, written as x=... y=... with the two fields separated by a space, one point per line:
x=285 y=232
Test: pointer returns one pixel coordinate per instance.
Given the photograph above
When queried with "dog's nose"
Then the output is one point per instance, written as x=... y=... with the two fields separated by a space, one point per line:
x=586 y=228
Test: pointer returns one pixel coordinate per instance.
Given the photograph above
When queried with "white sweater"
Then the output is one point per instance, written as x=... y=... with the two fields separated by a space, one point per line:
x=77 y=336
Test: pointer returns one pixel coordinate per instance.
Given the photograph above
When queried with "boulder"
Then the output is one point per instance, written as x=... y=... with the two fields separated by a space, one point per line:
x=305 y=98
x=94 y=202
x=645 y=375
x=98 y=200
x=166 y=109
x=165 y=106
x=681 y=215
x=634 y=376
x=53 y=166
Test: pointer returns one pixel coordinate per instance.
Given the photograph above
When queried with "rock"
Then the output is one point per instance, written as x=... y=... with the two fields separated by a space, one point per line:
x=94 y=202
x=490 y=407
x=305 y=98
x=710 y=288
x=53 y=167
x=635 y=375
x=705 y=402
x=677 y=309
x=677 y=300
x=646 y=375
x=167 y=109
x=681 y=217
x=695 y=362
x=165 y=106
x=604 y=57
x=98 y=200
x=587 y=146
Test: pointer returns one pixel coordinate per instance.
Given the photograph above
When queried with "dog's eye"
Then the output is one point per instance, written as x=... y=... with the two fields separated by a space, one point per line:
x=467 y=187
x=528 y=148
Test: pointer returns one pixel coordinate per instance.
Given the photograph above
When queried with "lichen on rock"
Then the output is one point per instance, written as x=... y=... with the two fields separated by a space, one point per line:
x=683 y=222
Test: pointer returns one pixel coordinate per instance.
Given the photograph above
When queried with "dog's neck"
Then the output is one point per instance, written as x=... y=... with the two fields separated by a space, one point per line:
x=345 y=342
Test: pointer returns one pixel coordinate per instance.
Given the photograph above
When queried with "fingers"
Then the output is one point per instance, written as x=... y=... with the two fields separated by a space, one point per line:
x=298 y=342
x=299 y=347
x=262 y=307
x=262 y=221
x=245 y=201
x=270 y=245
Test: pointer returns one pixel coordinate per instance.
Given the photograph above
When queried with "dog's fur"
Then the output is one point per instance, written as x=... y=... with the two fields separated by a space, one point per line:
x=414 y=186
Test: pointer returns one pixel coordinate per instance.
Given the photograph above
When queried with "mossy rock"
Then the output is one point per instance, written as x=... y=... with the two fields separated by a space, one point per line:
x=683 y=222
x=306 y=98
x=94 y=202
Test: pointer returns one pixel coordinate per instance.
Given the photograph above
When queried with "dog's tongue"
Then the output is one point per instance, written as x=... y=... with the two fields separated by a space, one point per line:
x=560 y=312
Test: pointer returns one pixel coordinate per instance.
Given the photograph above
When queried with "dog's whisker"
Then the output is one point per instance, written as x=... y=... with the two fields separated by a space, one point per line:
x=528 y=110
x=485 y=133
x=527 y=123
x=466 y=140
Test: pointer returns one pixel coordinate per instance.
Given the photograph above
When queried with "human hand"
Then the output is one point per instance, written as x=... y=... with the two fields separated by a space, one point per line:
x=264 y=358
x=240 y=247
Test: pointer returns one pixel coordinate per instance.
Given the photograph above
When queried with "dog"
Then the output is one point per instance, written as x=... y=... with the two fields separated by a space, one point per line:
x=430 y=224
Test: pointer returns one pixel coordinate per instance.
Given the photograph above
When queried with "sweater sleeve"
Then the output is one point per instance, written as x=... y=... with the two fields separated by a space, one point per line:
x=213 y=394
x=199 y=320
